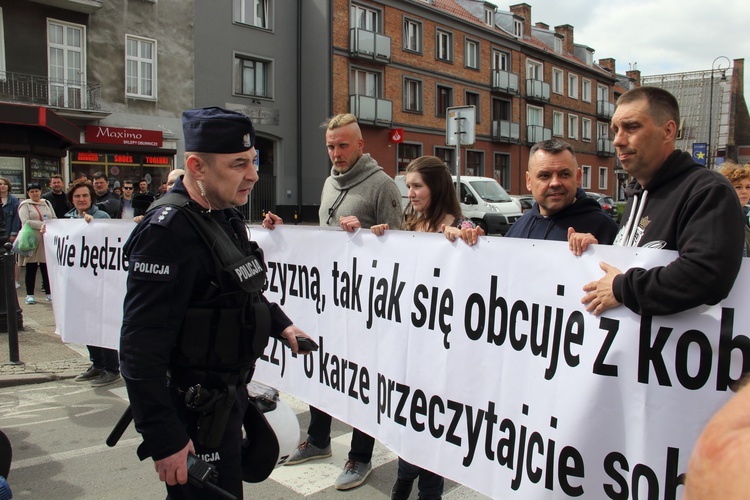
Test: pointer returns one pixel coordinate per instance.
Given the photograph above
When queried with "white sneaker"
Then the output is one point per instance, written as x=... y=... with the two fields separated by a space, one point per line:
x=30 y=299
x=49 y=298
x=18 y=285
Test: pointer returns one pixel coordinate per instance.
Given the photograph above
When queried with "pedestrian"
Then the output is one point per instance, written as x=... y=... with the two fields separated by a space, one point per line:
x=57 y=196
x=357 y=194
x=105 y=199
x=739 y=176
x=561 y=209
x=105 y=365
x=11 y=223
x=34 y=211
x=433 y=208
x=675 y=204
x=194 y=317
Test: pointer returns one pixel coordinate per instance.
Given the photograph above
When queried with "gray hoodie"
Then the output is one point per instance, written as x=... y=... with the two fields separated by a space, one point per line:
x=364 y=191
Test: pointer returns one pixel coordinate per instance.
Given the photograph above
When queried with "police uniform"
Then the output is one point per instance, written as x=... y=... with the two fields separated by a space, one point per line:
x=194 y=320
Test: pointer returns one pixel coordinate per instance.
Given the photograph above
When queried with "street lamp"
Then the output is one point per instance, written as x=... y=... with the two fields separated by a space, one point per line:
x=709 y=155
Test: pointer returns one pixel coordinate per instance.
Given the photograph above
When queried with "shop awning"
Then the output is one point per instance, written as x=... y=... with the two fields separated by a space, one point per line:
x=61 y=132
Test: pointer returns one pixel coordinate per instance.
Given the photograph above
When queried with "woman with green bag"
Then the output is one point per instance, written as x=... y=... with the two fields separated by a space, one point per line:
x=33 y=212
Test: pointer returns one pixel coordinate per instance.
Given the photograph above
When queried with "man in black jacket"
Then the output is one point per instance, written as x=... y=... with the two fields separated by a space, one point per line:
x=57 y=197
x=105 y=199
x=673 y=203
x=561 y=211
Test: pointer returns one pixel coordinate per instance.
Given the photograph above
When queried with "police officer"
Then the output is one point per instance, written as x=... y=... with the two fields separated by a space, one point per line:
x=194 y=319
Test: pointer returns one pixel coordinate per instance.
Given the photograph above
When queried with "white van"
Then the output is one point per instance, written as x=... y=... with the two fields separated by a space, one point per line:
x=483 y=200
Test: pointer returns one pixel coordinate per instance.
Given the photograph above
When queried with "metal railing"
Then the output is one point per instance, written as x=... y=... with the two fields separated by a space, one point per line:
x=605 y=147
x=371 y=110
x=45 y=91
x=504 y=81
x=368 y=44
x=537 y=90
x=506 y=131
x=605 y=109
x=536 y=133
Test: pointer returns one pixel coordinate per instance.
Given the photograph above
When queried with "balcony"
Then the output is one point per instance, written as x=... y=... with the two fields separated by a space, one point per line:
x=83 y=6
x=537 y=133
x=605 y=110
x=537 y=90
x=506 y=131
x=40 y=90
x=371 y=110
x=505 y=82
x=605 y=147
x=369 y=45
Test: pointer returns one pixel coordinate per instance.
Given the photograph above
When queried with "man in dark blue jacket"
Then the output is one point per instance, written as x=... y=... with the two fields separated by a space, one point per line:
x=561 y=211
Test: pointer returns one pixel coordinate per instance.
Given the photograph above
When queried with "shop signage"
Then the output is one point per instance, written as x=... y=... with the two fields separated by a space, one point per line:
x=123 y=136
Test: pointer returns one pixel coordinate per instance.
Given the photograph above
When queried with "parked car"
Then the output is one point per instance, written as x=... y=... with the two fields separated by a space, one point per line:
x=525 y=201
x=483 y=200
x=607 y=204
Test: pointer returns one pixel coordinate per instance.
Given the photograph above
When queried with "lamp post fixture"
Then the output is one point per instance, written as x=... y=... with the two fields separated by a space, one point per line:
x=714 y=66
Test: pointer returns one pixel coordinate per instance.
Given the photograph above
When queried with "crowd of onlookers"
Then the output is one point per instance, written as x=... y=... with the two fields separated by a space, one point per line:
x=84 y=199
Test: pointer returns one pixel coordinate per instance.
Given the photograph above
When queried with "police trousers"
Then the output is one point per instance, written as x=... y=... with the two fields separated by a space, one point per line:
x=227 y=457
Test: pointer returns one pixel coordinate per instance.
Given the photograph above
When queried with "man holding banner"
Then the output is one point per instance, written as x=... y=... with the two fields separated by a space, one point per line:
x=194 y=318
x=673 y=203
x=357 y=194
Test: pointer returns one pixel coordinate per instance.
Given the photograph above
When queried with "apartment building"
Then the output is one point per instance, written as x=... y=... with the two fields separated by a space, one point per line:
x=83 y=89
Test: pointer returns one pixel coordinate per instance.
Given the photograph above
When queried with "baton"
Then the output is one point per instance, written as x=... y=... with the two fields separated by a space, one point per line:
x=119 y=428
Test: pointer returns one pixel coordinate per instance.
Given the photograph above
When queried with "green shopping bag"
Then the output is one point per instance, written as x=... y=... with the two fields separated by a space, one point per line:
x=26 y=239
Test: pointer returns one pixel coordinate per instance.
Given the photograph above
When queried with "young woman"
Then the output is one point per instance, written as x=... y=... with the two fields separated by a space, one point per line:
x=32 y=212
x=433 y=208
x=739 y=176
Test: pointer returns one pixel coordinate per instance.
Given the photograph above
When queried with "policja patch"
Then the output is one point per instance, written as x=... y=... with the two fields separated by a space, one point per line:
x=143 y=268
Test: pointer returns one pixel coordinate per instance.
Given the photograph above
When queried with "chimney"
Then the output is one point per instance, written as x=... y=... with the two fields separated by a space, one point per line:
x=608 y=64
x=523 y=10
x=635 y=75
x=542 y=26
x=566 y=30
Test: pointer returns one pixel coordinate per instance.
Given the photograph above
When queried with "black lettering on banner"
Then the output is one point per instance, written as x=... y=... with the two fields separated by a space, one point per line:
x=642 y=479
x=727 y=344
x=348 y=295
x=649 y=353
x=457 y=411
x=106 y=257
x=385 y=304
x=404 y=390
x=440 y=308
x=611 y=326
x=296 y=281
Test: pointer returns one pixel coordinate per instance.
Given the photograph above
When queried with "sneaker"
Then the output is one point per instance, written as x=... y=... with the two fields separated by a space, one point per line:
x=49 y=298
x=401 y=489
x=89 y=374
x=30 y=299
x=18 y=285
x=353 y=475
x=308 y=451
x=105 y=378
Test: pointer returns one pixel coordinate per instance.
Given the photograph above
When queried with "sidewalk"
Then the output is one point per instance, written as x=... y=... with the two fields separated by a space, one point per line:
x=43 y=355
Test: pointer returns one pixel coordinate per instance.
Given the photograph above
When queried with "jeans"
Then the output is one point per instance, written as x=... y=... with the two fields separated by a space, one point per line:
x=319 y=434
x=104 y=359
x=430 y=484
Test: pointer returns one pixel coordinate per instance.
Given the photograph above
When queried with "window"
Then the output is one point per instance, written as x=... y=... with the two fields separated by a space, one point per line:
x=444 y=46
x=472 y=99
x=251 y=77
x=585 y=90
x=446 y=154
x=140 y=67
x=586 y=129
x=500 y=60
x=474 y=162
x=405 y=154
x=557 y=124
x=412 y=95
x=412 y=35
x=363 y=82
x=572 y=86
x=534 y=70
x=2 y=47
x=557 y=81
x=67 y=66
x=557 y=45
x=602 y=93
x=443 y=100
x=489 y=17
x=586 y=177
x=472 y=54
x=534 y=116
x=602 y=130
x=518 y=28
x=603 y=179
x=251 y=12
x=364 y=18
x=572 y=127
x=501 y=110
x=501 y=169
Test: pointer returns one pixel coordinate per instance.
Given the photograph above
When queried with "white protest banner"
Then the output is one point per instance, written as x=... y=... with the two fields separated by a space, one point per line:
x=88 y=272
x=478 y=363
x=482 y=364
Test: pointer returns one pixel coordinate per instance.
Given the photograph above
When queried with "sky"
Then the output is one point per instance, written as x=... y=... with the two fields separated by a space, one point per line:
x=660 y=36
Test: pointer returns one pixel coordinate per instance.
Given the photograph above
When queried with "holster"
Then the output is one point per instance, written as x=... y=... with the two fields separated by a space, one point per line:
x=213 y=421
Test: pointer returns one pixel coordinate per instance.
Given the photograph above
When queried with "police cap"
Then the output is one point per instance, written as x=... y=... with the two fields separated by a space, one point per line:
x=217 y=130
